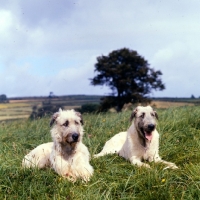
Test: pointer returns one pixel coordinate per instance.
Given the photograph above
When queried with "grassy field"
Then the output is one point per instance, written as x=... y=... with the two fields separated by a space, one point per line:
x=114 y=177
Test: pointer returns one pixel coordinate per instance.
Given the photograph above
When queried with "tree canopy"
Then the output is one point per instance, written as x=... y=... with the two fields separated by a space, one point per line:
x=128 y=75
x=3 y=99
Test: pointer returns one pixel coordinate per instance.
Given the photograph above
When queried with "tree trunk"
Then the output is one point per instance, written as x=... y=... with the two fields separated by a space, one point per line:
x=119 y=102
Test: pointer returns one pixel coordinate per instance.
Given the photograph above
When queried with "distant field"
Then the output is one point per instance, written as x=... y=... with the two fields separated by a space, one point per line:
x=174 y=102
x=167 y=104
x=21 y=108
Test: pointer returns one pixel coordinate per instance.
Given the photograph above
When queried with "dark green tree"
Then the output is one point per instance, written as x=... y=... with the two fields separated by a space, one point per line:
x=3 y=99
x=129 y=77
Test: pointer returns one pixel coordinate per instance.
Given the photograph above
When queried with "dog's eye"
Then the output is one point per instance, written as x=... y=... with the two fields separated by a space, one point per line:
x=66 y=123
x=152 y=114
x=142 y=115
x=76 y=122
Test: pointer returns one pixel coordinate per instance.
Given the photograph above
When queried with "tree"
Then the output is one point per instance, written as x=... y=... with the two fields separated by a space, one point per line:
x=128 y=75
x=3 y=99
x=51 y=95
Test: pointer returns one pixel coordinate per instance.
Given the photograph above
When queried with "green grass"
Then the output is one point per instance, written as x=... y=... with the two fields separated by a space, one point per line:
x=114 y=177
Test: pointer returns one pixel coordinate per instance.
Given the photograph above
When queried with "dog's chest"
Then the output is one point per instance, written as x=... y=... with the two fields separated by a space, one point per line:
x=146 y=153
x=149 y=152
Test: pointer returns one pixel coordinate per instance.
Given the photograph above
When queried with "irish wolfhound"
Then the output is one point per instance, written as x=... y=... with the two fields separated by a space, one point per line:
x=140 y=142
x=67 y=155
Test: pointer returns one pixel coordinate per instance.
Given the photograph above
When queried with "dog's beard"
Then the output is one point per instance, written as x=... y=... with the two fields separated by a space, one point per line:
x=69 y=142
x=69 y=146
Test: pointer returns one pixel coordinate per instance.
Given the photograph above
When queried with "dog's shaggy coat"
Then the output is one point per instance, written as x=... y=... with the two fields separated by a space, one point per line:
x=38 y=157
x=67 y=155
x=140 y=142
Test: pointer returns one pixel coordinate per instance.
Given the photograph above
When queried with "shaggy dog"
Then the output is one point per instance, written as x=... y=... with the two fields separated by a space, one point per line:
x=67 y=155
x=140 y=142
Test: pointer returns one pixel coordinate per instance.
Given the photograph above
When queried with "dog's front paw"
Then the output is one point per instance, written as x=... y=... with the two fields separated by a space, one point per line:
x=86 y=178
x=171 y=166
x=96 y=156
x=145 y=165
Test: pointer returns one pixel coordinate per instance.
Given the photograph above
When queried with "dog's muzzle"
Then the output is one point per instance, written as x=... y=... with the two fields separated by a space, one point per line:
x=75 y=137
x=151 y=127
x=147 y=131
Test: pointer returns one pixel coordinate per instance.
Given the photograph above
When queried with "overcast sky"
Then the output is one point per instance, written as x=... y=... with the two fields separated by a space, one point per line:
x=52 y=45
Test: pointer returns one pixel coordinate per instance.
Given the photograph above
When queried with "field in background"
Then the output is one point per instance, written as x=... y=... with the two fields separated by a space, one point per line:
x=167 y=104
x=21 y=108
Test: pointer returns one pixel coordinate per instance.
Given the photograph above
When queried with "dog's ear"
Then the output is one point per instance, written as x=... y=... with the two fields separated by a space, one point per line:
x=79 y=115
x=55 y=115
x=133 y=114
x=156 y=114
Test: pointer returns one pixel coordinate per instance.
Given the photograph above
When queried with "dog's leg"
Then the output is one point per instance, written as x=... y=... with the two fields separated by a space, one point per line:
x=102 y=153
x=169 y=164
x=85 y=172
x=136 y=161
x=113 y=145
x=63 y=168
x=59 y=164
x=80 y=166
x=107 y=149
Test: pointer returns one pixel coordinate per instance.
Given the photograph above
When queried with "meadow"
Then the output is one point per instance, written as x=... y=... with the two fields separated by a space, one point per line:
x=114 y=177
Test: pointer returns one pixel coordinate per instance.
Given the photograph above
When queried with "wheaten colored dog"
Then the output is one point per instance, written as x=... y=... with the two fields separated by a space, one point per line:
x=140 y=142
x=67 y=155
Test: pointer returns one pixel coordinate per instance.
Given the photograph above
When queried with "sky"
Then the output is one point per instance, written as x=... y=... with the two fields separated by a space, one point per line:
x=51 y=46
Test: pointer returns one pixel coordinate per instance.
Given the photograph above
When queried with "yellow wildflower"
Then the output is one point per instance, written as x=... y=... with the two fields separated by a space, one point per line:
x=163 y=180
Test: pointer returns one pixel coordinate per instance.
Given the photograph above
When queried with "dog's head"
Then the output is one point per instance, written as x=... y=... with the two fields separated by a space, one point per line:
x=68 y=126
x=144 y=121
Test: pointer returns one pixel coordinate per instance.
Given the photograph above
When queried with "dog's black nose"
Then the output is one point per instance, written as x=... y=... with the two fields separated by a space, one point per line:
x=75 y=136
x=151 y=127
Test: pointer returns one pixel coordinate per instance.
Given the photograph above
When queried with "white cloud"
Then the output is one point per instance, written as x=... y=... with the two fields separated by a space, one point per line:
x=5 y=21
x=180 y=70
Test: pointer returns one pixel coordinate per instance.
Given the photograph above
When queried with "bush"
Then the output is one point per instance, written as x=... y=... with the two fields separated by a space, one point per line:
x=89 y=108
x=47 y=109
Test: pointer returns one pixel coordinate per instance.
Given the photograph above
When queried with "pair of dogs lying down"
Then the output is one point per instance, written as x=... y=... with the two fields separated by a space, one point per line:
x=69 y=157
